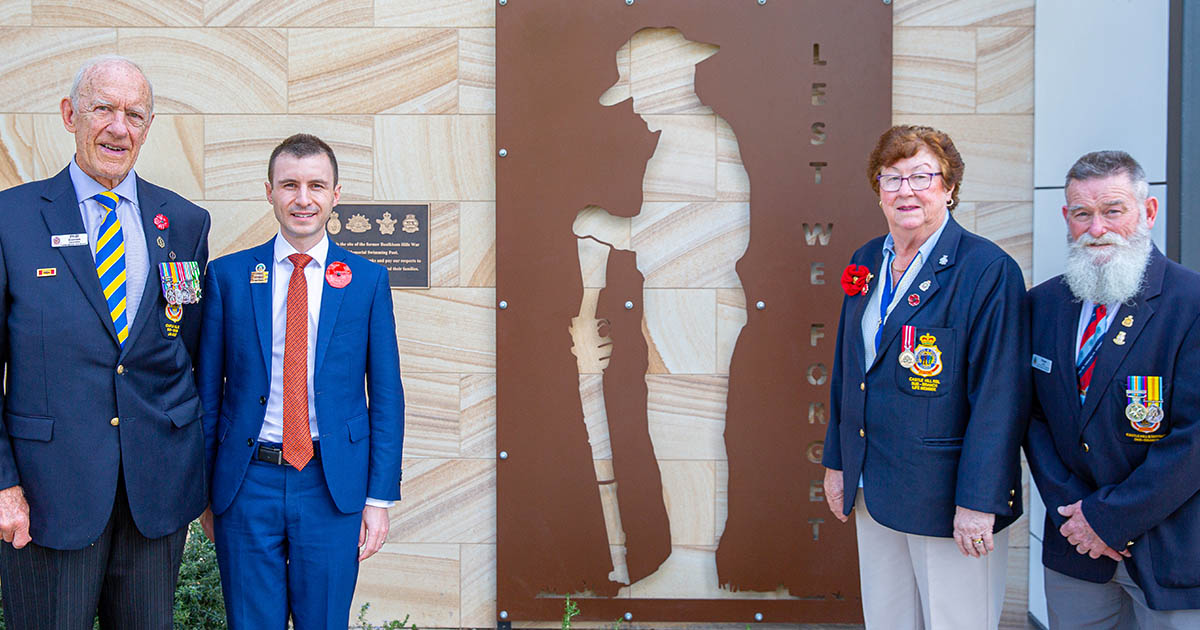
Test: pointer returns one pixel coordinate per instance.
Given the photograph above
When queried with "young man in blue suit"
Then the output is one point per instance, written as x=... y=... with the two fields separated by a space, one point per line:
x=1114 y=441
x=297 y=333
x=101 y=457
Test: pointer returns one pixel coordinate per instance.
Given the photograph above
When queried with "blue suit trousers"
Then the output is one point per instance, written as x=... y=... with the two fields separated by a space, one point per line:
x=284 y=548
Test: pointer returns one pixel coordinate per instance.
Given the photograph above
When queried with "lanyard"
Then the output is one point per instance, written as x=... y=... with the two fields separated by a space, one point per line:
x=889 y=292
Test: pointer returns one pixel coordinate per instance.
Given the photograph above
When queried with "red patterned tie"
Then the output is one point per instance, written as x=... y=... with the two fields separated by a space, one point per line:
x=1085 y=349
x=297 y=438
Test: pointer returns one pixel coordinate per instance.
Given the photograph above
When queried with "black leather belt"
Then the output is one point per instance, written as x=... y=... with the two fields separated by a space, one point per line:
x=274 y=454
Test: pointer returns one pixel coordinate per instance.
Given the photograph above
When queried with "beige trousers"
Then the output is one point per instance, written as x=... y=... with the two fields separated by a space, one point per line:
x=912 y=582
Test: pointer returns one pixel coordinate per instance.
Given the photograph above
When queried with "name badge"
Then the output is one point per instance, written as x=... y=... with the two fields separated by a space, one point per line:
x=1042 y=363
x=68 y=240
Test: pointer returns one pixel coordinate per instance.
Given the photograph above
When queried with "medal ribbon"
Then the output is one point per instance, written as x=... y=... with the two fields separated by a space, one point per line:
x=1135 y=388
x=909 y=339
x=1153 y=389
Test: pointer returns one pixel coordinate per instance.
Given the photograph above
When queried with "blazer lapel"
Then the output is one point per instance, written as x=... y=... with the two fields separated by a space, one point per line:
x=260 y=299
x=941 y=258
x=151 y=205
x=1062 y=364
x=61 y=214
x=331 y=304
x=1119 y=339
x=874 y=260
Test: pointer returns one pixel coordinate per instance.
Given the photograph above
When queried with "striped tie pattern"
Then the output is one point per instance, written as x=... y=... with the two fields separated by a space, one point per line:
x=110 y=263
x=1088 y=347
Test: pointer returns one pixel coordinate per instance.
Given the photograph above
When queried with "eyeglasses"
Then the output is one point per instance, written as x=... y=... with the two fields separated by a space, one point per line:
x=916 y=181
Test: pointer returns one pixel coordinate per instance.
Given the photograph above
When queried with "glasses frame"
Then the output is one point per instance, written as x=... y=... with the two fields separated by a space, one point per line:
x=907 y=178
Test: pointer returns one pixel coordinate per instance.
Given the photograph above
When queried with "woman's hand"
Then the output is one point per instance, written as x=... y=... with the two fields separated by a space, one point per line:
x=834 y=493
x=972 y=531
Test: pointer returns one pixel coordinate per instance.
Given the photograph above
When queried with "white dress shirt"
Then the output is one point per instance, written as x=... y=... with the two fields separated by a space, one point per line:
x=281 y=275
x=137 y=260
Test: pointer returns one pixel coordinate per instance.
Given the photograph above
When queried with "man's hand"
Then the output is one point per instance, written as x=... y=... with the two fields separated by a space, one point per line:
x=373 y=532
x=206 y=523
x=834 y=493
x=1079 y=533
x=973 y=532
x=14 y=517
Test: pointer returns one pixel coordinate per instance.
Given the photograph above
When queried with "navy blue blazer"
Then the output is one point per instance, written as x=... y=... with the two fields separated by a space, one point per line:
x=1139 y=490
x=926 y=443
x=80 y=408
x=355 y=345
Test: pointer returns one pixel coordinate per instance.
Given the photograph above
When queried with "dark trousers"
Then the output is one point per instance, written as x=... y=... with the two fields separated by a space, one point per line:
x=286 y=550
x=126 y=578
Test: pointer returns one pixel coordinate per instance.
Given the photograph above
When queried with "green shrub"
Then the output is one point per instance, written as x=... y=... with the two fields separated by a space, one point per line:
x=198 y=601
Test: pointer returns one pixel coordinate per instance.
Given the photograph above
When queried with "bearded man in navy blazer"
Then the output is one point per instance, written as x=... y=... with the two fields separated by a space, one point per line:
x=101 y=457
x=1114 y=441
x=298 y=332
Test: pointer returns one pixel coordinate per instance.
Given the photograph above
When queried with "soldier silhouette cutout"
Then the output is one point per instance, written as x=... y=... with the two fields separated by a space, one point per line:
x=676 y=258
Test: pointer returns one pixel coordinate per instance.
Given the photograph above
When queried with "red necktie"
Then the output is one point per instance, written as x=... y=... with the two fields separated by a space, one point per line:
x=297 y=438
x=1088 y=354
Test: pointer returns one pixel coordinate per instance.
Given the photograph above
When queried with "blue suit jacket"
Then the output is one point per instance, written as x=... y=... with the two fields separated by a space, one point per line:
x=61 y=359
x=1133 y=491
x=355 y=344
x=924 y=447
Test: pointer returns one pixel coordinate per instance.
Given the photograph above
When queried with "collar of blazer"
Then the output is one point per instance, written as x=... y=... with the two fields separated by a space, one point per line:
x=260 y=298
x=1111 y=354
x=941 y=259
x=61 y=214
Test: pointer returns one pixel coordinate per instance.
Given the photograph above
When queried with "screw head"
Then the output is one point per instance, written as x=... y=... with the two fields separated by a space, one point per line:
x=504 y=614
x=629 y=3
x=503 y=454
x=760 y=305
x=758 y=616
x=503 y=2
x=887 y=1
x=629 y=305
x=762 y=2
x=629 y=615
x=503 y=152
x=503 y=304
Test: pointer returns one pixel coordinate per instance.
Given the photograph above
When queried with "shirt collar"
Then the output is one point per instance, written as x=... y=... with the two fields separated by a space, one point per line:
x=86 y=187
x=889 y=244
x=283 y=249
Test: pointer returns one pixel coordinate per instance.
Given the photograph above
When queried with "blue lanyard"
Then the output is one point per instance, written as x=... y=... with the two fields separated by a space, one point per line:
x=889 y=292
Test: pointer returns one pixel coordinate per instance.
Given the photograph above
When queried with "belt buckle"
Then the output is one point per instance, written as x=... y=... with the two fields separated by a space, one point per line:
x=271 y=455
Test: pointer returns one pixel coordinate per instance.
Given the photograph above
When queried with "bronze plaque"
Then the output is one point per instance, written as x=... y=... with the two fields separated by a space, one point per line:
x=590 y=166
x=395 y=236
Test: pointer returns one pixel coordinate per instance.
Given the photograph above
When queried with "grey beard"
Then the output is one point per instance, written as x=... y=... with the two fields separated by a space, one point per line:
x=1119 y=279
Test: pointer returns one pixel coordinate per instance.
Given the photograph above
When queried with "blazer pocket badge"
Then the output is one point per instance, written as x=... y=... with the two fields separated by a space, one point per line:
x=926 y=362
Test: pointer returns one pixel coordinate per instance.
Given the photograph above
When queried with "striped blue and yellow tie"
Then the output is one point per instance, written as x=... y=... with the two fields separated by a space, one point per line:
x=110 y=263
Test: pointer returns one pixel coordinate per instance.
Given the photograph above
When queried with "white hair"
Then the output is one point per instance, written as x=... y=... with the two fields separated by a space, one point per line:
x=106 y=60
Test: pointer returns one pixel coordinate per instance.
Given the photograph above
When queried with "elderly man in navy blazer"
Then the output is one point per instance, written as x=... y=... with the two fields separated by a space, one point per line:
x=297 y=333
x=1114 y=442
x=101 y=457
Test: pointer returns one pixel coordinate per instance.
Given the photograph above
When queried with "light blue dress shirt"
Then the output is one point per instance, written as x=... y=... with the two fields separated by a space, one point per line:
x=137 y=259
x=870 y=320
